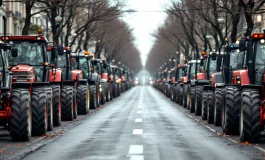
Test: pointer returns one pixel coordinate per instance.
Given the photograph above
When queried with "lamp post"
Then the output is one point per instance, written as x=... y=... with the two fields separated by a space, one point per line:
x=113 y=61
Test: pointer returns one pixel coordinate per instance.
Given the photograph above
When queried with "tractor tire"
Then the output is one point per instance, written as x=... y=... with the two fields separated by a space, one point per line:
x=67 y=98
x=210 y=108
x=98 y=96
x=192 y=99
x=177 y=94
x=93 y=96
x=112 y=91
x=185 y=94
x=250 y=126
x=39 y=112
x=173 y=93
x=21 y=115
x=50 y=109
x=57 y=110
x=219 y=98
x=204 y=105
x=198 y=100
x=108 y=92
x=230 y=112
x=181 y=95
x=75 y=102
x=103 y=94
x=119 y=89
x=82 y=99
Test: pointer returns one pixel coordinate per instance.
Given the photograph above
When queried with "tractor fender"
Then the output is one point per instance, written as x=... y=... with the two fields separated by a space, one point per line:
x=201 y=76
x=93 y=77
x=252 y=86
x=203 y=82
x=55 y=75
x=217 y=78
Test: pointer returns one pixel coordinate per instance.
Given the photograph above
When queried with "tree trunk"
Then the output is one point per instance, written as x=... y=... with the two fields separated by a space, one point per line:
x=250 y=23
x=25 y=30
x=86 y=41
x=1 y=2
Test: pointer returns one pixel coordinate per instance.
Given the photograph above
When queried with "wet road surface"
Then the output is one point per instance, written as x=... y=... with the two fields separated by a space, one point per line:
x=142 y=124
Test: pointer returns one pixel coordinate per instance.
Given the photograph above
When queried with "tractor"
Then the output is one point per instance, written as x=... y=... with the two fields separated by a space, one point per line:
x=81 y=61
x=31 y=101
x=116 y=81
x=188 y=86
x=250 y=84
x=204 y=91
x=66 y=80
x=180 y=79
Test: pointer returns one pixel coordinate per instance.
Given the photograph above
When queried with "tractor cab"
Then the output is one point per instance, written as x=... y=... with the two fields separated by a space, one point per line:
x=181 y=73
x=82 y=61
x=193 y=69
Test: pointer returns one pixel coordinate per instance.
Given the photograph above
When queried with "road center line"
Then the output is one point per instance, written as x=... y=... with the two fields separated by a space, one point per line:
x=139 y=106
x=139 y=112
x=137 y=131
x=136 y=149
x=138 y=120
x=136 y=157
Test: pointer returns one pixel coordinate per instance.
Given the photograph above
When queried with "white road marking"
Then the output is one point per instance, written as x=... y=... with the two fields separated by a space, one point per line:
x=139 y=106
x=136 y=149
x=136 y=157
x=139 y=112
x=138 y=120
x=137 y=131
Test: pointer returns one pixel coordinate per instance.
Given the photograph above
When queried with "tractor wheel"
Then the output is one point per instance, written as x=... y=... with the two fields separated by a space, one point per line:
x=185 y=94
x=210 y=107
x=108 y=92
x=204 y=105
x=57 y=110
x=198 y=100
x=75 y=103
x=112 y=91
x=82 y=99
x=218 y=106
x=192 y=99
x=230 y=111
x=39 y=112
x=50 y=109
x=103 y=94
x=67 y=97
x=177 y=94
x=21 y=115
x=173 y=93
x=250 y=116
x=98 y=96
x=93 y=96
x=119 y=89
x=181 y=95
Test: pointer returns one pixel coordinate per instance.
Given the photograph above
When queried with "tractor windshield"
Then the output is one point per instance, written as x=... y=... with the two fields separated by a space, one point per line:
x=212 y=66
x=259 y=62
x=193 y=69
x=236 y=60
x=62 y=61
x=30 y=53
x=181 y=72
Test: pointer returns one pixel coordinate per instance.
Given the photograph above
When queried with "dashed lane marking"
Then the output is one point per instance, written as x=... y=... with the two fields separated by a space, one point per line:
x=137 y=131
x=139 y=106
x=138 y=120
x=136 y=149
x=136 y=157
x=139 y=112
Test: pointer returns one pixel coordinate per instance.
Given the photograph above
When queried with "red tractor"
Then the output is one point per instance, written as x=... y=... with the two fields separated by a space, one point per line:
x=65 y=79
x=188 y=86
x=181 y=77
x=31 y=100
x=81 y=61
x=246 y=102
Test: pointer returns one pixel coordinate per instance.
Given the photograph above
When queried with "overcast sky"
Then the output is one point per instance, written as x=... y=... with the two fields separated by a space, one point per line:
x=145 y=23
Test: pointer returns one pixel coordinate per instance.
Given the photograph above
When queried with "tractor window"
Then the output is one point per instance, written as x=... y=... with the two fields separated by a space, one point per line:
x=236 y=59
x=28 y=53
x=212 y=66
x=181 y=72
x=192 y=69
x=260 y=54
x=62 y=61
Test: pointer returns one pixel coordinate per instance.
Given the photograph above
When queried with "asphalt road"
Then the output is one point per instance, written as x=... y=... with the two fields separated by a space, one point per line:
x=142 y=124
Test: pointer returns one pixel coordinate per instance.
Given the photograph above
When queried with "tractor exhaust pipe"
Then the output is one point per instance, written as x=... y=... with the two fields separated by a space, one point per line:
x=4 y=19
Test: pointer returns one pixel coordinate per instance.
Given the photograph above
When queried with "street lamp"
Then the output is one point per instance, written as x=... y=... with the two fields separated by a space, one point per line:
x=208 y=36
x=58 y=19
x=259 y=18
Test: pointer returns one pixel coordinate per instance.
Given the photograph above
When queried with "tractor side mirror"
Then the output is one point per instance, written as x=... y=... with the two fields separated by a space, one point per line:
x=60 y=50
x=214 y=56
x=202 y=62
x=242 y=45
x=54 y=53
x=218 y=64
x=14 y=52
